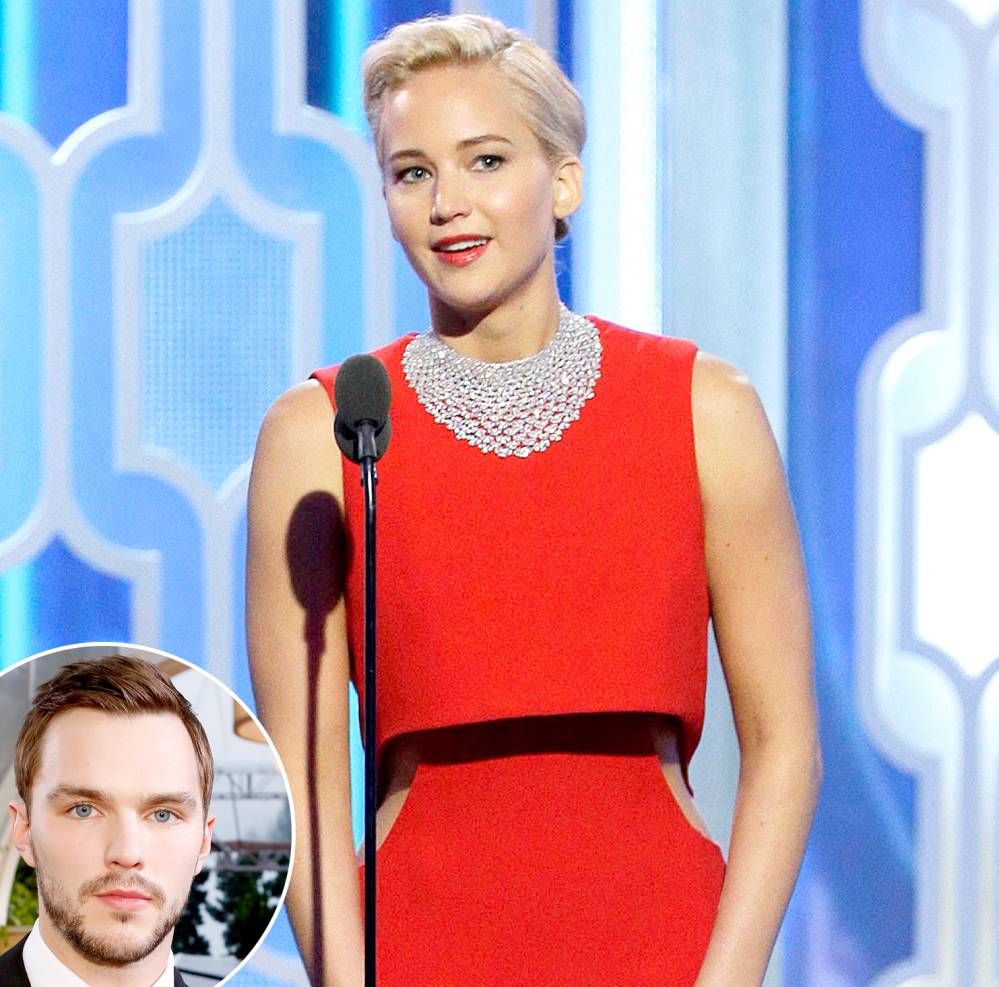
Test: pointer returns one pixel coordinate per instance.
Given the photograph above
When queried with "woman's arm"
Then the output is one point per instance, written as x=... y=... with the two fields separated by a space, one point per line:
x=759 y=608
x=296 y=632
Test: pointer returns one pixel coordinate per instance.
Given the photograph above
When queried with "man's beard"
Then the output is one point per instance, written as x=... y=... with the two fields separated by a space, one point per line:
x=104 y=950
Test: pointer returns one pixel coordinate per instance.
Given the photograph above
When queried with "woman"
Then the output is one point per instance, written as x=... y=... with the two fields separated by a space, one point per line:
x=561 y=502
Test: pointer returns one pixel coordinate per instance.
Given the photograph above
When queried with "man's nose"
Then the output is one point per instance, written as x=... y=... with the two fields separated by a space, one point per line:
x=124 y=846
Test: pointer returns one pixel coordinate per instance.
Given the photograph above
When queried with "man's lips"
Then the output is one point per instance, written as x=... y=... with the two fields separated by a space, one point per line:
x=124 y=900
x=458 y=251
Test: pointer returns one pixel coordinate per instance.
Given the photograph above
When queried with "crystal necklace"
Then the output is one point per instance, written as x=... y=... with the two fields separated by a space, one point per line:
x=513 y=408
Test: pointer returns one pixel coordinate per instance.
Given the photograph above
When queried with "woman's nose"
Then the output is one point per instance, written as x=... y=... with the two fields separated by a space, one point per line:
x=450 y=200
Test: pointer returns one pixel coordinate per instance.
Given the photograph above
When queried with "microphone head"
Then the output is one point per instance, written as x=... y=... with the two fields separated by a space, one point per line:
x=363 y=394
x=362 y=391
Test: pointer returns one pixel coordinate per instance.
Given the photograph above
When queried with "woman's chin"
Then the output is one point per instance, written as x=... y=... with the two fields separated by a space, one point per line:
x=463 y=306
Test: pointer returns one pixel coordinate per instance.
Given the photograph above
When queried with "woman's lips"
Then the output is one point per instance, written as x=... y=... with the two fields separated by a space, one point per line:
x=462 y=256
x=124 y=902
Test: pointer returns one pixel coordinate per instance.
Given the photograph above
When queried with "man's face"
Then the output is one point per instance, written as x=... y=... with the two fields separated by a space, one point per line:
x=117 y=832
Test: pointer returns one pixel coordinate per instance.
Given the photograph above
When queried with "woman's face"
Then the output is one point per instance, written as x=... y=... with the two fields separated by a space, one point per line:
x=471 y=195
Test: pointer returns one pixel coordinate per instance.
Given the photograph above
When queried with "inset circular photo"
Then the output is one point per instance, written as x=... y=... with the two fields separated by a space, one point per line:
x=149 y=821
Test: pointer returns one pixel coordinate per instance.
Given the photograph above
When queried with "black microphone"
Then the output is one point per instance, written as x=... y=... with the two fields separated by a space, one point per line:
x=363 y=395
x=361 y=426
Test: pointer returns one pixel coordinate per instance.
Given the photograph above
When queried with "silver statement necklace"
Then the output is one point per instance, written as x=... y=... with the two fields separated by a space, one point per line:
x=513 y=408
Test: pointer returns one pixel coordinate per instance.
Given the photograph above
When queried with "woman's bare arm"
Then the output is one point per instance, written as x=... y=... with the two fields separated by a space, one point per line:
x=759 y=607
x=296 y=565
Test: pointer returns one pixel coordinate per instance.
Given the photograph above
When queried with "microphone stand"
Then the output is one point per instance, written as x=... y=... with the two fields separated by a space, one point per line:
x=363 y=393
x=367 y=454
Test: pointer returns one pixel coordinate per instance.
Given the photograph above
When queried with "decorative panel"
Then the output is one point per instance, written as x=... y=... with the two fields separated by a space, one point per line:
x=855 y=200
x=215 y=306
x=70 y=42
x=894 y=339
x=60 y=598
x=928 y=436
x=21 y=335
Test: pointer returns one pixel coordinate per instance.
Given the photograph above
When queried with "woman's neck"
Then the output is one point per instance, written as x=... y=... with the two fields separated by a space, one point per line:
x=511 y=331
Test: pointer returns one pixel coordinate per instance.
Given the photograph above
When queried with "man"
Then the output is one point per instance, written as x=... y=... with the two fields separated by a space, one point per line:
x=114 y=774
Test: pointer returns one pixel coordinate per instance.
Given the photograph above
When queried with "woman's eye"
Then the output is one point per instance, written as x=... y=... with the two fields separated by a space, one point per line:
x=82 y=811
x=164 y=815
x=412 y=174
x=488 y=162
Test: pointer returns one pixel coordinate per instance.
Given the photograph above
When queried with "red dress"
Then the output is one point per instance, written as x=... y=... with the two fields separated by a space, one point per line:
x=571 y=581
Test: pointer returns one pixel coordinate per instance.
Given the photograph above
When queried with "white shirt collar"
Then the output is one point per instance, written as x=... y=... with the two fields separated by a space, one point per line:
x=45 y=969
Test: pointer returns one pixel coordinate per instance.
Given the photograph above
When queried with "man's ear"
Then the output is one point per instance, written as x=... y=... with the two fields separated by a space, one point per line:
x=567 y=193
x=20 y=830
x=206 y=843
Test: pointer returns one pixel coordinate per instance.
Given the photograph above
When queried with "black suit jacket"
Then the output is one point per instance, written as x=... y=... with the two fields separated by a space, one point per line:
x=12 y=967
x=12 y=972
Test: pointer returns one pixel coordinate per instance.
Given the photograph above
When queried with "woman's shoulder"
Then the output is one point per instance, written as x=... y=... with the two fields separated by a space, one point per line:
x=732 y=435
x=301 y=414
x=720 y=390
x=390 y=355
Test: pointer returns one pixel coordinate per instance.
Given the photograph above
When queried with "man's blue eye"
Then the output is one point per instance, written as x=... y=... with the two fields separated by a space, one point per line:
x=83 y=811
x=163 y=815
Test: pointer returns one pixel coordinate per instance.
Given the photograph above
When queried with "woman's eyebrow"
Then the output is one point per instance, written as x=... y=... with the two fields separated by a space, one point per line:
x=483 y=139
x=409 y=152
x=413 y=152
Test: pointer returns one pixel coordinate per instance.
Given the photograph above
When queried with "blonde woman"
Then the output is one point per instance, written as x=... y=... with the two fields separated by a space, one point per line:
x=547 y=568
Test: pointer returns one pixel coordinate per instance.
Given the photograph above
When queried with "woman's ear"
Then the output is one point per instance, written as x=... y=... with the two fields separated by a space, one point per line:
x=568 y=187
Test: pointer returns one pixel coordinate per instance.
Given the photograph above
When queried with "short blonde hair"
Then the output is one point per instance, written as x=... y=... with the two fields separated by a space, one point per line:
x=548 y=100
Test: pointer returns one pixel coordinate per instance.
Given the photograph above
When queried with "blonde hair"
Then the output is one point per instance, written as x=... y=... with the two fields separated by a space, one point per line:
x=548 y=100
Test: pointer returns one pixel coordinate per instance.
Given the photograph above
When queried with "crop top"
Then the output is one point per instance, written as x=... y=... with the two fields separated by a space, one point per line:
x=569 y=581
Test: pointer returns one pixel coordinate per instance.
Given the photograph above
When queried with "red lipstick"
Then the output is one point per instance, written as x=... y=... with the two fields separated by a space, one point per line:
x=459 y=251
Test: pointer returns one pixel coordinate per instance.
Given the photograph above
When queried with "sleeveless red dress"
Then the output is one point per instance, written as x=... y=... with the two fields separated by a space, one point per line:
x=571 y=581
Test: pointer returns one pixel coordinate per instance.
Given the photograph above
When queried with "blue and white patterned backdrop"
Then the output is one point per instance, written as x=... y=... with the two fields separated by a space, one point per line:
x=191 y=220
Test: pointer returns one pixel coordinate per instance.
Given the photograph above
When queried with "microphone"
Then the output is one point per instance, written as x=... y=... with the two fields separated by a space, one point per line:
x=361 y=427
x=363 y=395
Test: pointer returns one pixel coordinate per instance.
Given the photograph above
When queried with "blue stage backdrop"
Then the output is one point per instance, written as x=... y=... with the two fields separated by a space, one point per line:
x=191 y=220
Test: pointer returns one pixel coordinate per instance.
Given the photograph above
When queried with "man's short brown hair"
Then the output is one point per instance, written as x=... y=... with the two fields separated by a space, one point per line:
x=118 y=685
